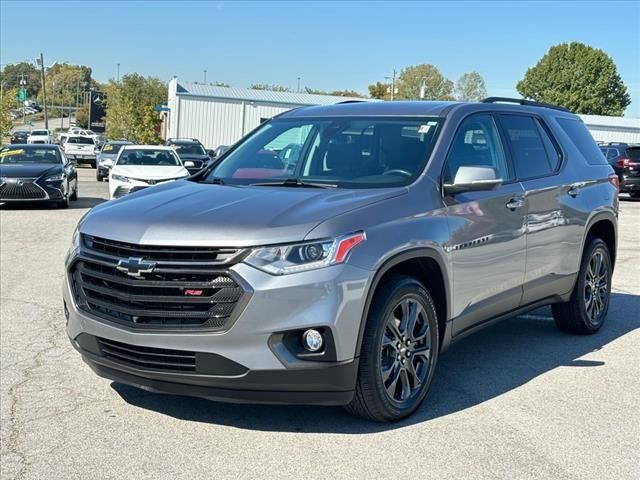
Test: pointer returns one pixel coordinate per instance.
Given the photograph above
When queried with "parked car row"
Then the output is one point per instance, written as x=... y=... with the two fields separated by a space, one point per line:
x=625 y=160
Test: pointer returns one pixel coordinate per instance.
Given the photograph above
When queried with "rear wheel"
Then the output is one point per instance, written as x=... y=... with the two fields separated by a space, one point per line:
x=399 y=352
x=587 y=308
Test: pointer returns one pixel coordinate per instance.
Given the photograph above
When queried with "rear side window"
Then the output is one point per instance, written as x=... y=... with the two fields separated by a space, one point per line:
x=633 y=153
x=531 y=149
x=583 y=140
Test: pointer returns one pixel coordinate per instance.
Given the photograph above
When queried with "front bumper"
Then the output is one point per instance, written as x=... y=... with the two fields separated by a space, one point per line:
x=331 y=298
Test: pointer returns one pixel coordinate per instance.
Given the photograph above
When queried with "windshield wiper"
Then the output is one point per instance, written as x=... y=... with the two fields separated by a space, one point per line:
x=216 y=181
x=294 y=182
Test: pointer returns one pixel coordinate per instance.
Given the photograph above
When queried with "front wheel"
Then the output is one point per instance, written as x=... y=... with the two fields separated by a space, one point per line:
x=399 y=352
x=587 y=308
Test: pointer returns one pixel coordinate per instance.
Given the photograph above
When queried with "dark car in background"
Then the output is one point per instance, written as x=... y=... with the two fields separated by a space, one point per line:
x=19 y=136
x=625 y=160
x=190 y=149
x=107 y=156
x=37 y=173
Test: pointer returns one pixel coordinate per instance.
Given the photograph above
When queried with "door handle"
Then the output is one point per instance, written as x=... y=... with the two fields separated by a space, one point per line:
x=574 y=189
x=515 y=203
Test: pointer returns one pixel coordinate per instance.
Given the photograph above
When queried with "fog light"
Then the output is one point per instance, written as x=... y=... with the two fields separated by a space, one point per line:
x=312 y=340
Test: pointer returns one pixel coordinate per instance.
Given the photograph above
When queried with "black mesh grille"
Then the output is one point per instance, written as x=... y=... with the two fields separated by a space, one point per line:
x=187 y=288
x=148 y=357
x=21 y=190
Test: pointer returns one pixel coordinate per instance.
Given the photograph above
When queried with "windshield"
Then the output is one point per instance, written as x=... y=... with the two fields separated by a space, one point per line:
x=39 y=132
x=80 y=140
x=148 y=158
x=112 y=148
x=24 y=155
x=345 y=152
x=188 y=149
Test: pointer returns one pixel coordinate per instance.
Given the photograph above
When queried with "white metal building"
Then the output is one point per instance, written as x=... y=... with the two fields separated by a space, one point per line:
x=222 y=115
x=613 y=129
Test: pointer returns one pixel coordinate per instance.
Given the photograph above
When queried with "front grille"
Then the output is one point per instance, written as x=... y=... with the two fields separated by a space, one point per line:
x=21 y=189
x=187 y=289
x=148 y=357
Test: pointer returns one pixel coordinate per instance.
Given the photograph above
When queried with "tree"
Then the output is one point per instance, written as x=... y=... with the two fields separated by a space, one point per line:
x=380 y=90
x=8 y=102
x=470 y=87
x=579 y=77
x=130 y=112
x=273 y=88
x=12 y=73
x=64 y=80
x=82 y=116
x=437 y=86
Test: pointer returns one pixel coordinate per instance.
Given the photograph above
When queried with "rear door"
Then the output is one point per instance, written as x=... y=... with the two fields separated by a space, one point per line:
x=553 y=239
x=487 y=241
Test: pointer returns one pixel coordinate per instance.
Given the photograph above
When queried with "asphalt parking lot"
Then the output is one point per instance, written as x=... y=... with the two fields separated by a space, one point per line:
x=518 y=400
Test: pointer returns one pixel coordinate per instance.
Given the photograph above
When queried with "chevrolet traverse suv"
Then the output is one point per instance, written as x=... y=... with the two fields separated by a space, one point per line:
x=338 y=275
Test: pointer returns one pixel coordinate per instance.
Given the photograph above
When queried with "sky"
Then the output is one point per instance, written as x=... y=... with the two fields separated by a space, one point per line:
x=329 y=45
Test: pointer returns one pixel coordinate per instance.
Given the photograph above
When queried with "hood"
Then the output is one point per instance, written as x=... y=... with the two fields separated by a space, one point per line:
x=189 y=213
x=29 y=170
x=150 y=172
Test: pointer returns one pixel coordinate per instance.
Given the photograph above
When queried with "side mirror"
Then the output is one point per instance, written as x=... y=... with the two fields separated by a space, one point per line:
x=472 y=179
x=189 y=164
x=211 y=153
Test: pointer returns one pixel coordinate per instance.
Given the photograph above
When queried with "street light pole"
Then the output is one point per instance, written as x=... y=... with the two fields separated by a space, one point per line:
x=393 y=84
x=298 y=84
x=44 y=92
x=205 y=77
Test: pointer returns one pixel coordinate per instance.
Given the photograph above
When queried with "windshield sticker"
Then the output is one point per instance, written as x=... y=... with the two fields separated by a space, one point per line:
x=424 y=128
x=9 y=153
x=108 y=148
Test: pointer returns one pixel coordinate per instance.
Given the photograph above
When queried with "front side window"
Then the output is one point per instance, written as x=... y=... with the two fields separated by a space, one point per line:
x=528 y=151
x=476 y=144
x=342 y=152
x=143 y=157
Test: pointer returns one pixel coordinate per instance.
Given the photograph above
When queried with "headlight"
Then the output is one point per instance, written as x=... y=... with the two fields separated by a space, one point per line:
x=74 y=248
x=58 y=177
x=120 y=178
x=300 y=257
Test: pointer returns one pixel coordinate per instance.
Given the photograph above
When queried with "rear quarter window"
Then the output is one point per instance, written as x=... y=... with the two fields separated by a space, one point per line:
x=583 y=141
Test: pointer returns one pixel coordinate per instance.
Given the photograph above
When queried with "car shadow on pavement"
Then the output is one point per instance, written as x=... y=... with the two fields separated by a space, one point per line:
x=82 y=202
x=477 y=369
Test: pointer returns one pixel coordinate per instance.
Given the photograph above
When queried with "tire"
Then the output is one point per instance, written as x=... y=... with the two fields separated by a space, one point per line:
x=99 y=178
x=412 y=365
x=74 y=195
x=586 y=310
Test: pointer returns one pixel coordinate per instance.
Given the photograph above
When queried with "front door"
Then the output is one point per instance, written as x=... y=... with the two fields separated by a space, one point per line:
x=487 y=244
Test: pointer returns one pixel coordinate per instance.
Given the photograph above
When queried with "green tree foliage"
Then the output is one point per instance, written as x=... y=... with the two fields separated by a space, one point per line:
x=273 y=88
x=380 y=90
x=582 y=78
x=82 y=116
x=8 y=102
x=64 y=80
x=130 y=112
x=438 y=87
x=470 y=87
x=11 y=74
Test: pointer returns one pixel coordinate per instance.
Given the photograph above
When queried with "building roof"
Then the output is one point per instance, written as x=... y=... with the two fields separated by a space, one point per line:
x=251 y=95
x=615 y=122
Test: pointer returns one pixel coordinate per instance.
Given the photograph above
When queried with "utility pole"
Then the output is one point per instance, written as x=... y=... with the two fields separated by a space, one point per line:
x=44 y=91
x=393 y=84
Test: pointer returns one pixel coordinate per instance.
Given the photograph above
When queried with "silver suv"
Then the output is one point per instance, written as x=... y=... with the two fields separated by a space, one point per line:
x=332 y=254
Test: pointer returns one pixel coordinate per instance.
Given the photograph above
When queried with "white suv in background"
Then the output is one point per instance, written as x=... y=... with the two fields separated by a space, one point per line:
x=141 y=166
x=40 y=136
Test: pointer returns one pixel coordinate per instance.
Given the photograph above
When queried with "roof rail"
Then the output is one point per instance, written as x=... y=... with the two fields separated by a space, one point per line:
x=522 y=101
x=351 y=101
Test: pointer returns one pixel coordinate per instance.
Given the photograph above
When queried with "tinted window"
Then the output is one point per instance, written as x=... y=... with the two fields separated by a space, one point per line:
x=583 y=140
x=476 y=144
x=633 y=153
x=24 y=155
x=526 y=146
x=612 y=153
x=551 y=148
x=188 y=149
x=81 y=140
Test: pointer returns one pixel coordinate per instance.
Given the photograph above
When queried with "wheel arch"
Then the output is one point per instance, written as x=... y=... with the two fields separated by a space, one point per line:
x=428 y=266
x=603 y=225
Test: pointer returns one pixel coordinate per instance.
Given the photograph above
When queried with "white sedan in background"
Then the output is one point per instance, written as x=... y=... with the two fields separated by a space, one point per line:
x=143 y=166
